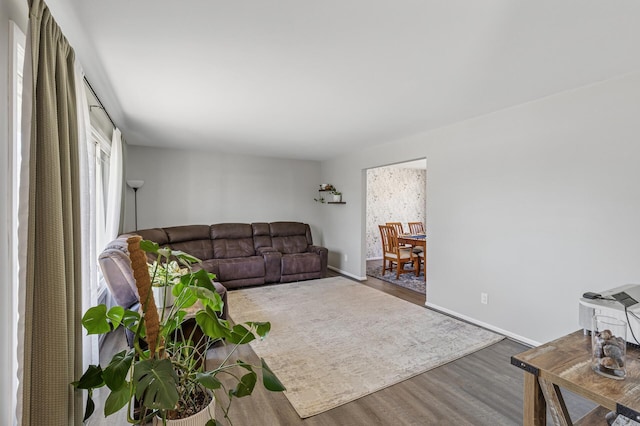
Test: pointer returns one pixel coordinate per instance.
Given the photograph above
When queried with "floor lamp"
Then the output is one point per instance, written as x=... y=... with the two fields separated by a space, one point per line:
x=135 y=185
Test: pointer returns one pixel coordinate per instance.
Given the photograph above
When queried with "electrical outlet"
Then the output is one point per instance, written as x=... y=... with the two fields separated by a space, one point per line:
x=483 y=298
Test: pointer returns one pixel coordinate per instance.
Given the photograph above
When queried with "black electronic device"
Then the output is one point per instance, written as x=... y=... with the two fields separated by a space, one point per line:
x=625 y=299
x=592 y=295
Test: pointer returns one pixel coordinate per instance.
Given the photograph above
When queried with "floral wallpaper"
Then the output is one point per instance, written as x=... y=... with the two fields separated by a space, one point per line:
x=393 y=195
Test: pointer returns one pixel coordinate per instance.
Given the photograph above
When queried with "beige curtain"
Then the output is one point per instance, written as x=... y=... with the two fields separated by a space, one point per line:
x=52 y=288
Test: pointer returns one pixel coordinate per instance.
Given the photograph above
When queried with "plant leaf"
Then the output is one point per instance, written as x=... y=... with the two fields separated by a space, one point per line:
x=245 y=385
x=214 y=302
x=149 y=246
x=95 y=320
x=211 y=325
x=209 y=298
x=171 y=324
x=244 y=365
x=92 y=378
x=91 y=406
x=202 y=278
x=269 y=379
x=185 y=258
x=155 y=383
x=241 y=335
x=115 y=314
x=115 y=373
x=208 y=380
x=130 y=319
x=117 y=399
x=262 y=328
x=184 y=296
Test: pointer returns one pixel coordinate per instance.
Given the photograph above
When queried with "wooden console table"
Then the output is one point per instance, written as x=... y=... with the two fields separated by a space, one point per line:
x=565 y=363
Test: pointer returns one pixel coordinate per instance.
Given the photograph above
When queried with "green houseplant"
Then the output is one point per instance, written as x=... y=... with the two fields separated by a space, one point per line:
x=163 y=375
x=163 y=277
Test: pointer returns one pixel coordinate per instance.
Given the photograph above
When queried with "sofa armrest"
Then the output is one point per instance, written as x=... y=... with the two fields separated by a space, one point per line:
x=272 y=263
x=323 y=252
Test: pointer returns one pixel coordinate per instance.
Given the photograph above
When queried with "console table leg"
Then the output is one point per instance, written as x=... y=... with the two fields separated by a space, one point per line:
x=557 y=407
x=535 y=407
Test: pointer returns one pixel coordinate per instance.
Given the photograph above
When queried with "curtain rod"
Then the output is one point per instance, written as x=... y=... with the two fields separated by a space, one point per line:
x=100 y=102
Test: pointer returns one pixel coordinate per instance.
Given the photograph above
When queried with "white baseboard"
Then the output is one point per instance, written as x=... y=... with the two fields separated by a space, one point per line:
x=340 y=271
x=513 y=336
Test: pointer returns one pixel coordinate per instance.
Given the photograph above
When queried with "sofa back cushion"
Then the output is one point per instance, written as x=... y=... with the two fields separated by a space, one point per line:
x=261 y=235
x=232 y=240
x=290 y=237
x=193 y=239
x=157 y=235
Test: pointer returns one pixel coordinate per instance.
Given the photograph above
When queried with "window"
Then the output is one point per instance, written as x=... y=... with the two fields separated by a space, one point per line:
x=16 y=63
x=102 y=160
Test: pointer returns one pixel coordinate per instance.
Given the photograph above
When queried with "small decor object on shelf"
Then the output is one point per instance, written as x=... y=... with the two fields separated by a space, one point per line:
x=336 y=196
x=324 y=187
x=609 y=346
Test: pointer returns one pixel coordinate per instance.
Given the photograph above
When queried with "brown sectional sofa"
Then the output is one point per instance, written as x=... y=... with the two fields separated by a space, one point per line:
x=240 y=254
x=243 y=254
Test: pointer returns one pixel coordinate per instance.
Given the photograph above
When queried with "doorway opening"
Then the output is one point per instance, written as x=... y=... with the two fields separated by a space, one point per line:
x=394 y=193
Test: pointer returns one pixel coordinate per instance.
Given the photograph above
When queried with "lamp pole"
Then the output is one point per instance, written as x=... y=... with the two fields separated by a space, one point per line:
x=135 y=185
x=135 y=202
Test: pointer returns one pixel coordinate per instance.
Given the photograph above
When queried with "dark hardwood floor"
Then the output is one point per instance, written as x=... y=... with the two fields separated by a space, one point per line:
x=482 y=388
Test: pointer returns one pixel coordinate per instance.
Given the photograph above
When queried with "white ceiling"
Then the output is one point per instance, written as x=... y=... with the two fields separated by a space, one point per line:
x=312 y=79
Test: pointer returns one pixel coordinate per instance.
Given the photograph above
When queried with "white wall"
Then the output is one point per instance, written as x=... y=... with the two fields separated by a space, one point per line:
x=16 y=11
x=192 y=187
x=533 y=205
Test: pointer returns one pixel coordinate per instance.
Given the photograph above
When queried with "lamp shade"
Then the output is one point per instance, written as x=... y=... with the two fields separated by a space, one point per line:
x=135 y=184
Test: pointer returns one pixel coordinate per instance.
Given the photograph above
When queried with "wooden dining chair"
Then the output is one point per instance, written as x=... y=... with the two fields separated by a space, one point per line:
x=397 y=226
x=393 y=253
x=416 y=227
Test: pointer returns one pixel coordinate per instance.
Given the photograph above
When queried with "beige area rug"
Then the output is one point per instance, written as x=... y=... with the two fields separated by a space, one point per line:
x=334 y=340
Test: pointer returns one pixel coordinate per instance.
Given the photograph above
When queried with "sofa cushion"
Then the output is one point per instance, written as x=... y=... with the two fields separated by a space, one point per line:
x=289 y=237
x=236 y=269
x=232 y=240
x=178 y=234
x=199 y=248
x=193 y=239
x=157 y=235
x=299 y=263
x=261 y=235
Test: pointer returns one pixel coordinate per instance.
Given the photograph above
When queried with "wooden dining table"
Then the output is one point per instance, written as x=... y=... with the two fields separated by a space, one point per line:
x=416 y=240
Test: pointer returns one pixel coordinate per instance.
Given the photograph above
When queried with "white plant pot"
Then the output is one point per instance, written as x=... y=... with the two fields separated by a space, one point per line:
x=159 y=296
x=197 y=419
x=337 y=198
